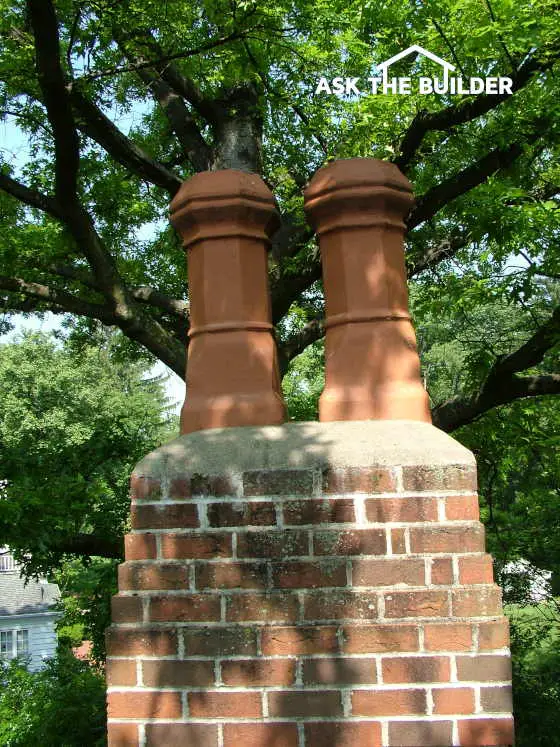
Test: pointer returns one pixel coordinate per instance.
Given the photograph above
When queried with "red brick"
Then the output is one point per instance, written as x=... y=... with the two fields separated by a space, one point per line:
x=493 y=634
x=450 y=538
x=145 y=576
x=412 y=508
x=164 y=516
x=180 y=488
x=326 y=511
x=444 y=477
x=416 y=733
x=398 y=541
x=199 y=546
x=476 y=569
x=232 y=641
x=276 y=606
x=238 y=514
x=259 y=672
x=272 y=544
x=308 y=575
x=122 y=735
x=140 y=546
x=370 y=639
x=359 y=480
x=481 y=601
x=448 y=637
x=416 y=604
x=339 y=605
x=339 y=671
x=462 y=508
x=278 y=482
x=343 y=734
x=144 y=488
x=177 y=673
x=187 y=486
x=308 y=703
x=134 y=704
x=140 y=642
x=212 y=704
x=289 y=641
x=413 y=669
x=388 y=702
x=481 y=732
x=388 y=572
x=224 y=485
x=199 y=484
x=441 y=571
x=120 y=672
x=185 y=608
x=350 y=542
x=180 y=735
x=260 y=735
x=485 y=668
x=231 y=576
x=496 y=699
x=126 y=609
x=452 y=701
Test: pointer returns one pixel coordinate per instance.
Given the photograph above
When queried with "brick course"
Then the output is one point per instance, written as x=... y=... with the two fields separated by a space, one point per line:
x=296 y=608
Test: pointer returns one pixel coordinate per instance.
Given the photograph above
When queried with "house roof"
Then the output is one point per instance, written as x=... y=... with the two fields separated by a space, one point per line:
x=418 y=50
x=20 y=598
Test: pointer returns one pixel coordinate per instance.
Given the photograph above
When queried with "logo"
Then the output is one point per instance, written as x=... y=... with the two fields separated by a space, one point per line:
x=446 y=84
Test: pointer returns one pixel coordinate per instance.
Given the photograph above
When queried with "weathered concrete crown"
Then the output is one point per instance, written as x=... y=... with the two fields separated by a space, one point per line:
x=309 y=445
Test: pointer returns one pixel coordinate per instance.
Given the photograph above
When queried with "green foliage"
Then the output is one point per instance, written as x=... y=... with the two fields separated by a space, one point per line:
x=86 y=591
x=60 y=706
x=303 y=383
x=535 y=647
x=73 y=422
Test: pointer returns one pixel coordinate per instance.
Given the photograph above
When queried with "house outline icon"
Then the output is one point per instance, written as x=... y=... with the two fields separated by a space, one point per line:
x=384 y=66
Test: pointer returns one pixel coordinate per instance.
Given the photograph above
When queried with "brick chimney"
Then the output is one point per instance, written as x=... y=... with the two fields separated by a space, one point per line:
x=319 y=583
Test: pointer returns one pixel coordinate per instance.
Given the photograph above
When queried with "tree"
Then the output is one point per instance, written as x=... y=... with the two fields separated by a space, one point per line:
x=231 y=84
x=63 y=705
x=73 y=422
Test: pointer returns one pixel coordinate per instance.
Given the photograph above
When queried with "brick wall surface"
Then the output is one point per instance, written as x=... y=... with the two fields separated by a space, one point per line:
x=295 y=608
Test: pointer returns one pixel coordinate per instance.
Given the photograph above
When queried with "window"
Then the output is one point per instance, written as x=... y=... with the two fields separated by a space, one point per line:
x=14 y=643
x=6 y=645
x=22 y=642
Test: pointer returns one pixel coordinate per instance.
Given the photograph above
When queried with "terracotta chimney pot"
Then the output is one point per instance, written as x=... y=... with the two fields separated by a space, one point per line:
x=372 y=369
x=225 y=219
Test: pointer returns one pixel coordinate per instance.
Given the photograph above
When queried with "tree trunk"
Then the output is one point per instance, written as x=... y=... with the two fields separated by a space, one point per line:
x=238 y=132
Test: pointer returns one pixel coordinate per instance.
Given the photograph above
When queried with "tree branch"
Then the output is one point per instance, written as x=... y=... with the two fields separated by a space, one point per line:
x=182 y=123
x=298 y=341
x=57 y=298
x=165 y=59
x=89 y=545
x=463 y=410
x=180 y=83
x=465 y=111
x=99 y=128
x=433 y=255
x=502 y=385
x=146 y=294
x=477 y=173
x=286 y=288
x=31 y=197
x=53 y=88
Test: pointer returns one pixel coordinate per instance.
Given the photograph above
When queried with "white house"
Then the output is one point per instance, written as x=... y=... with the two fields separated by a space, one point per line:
x=27 y=617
